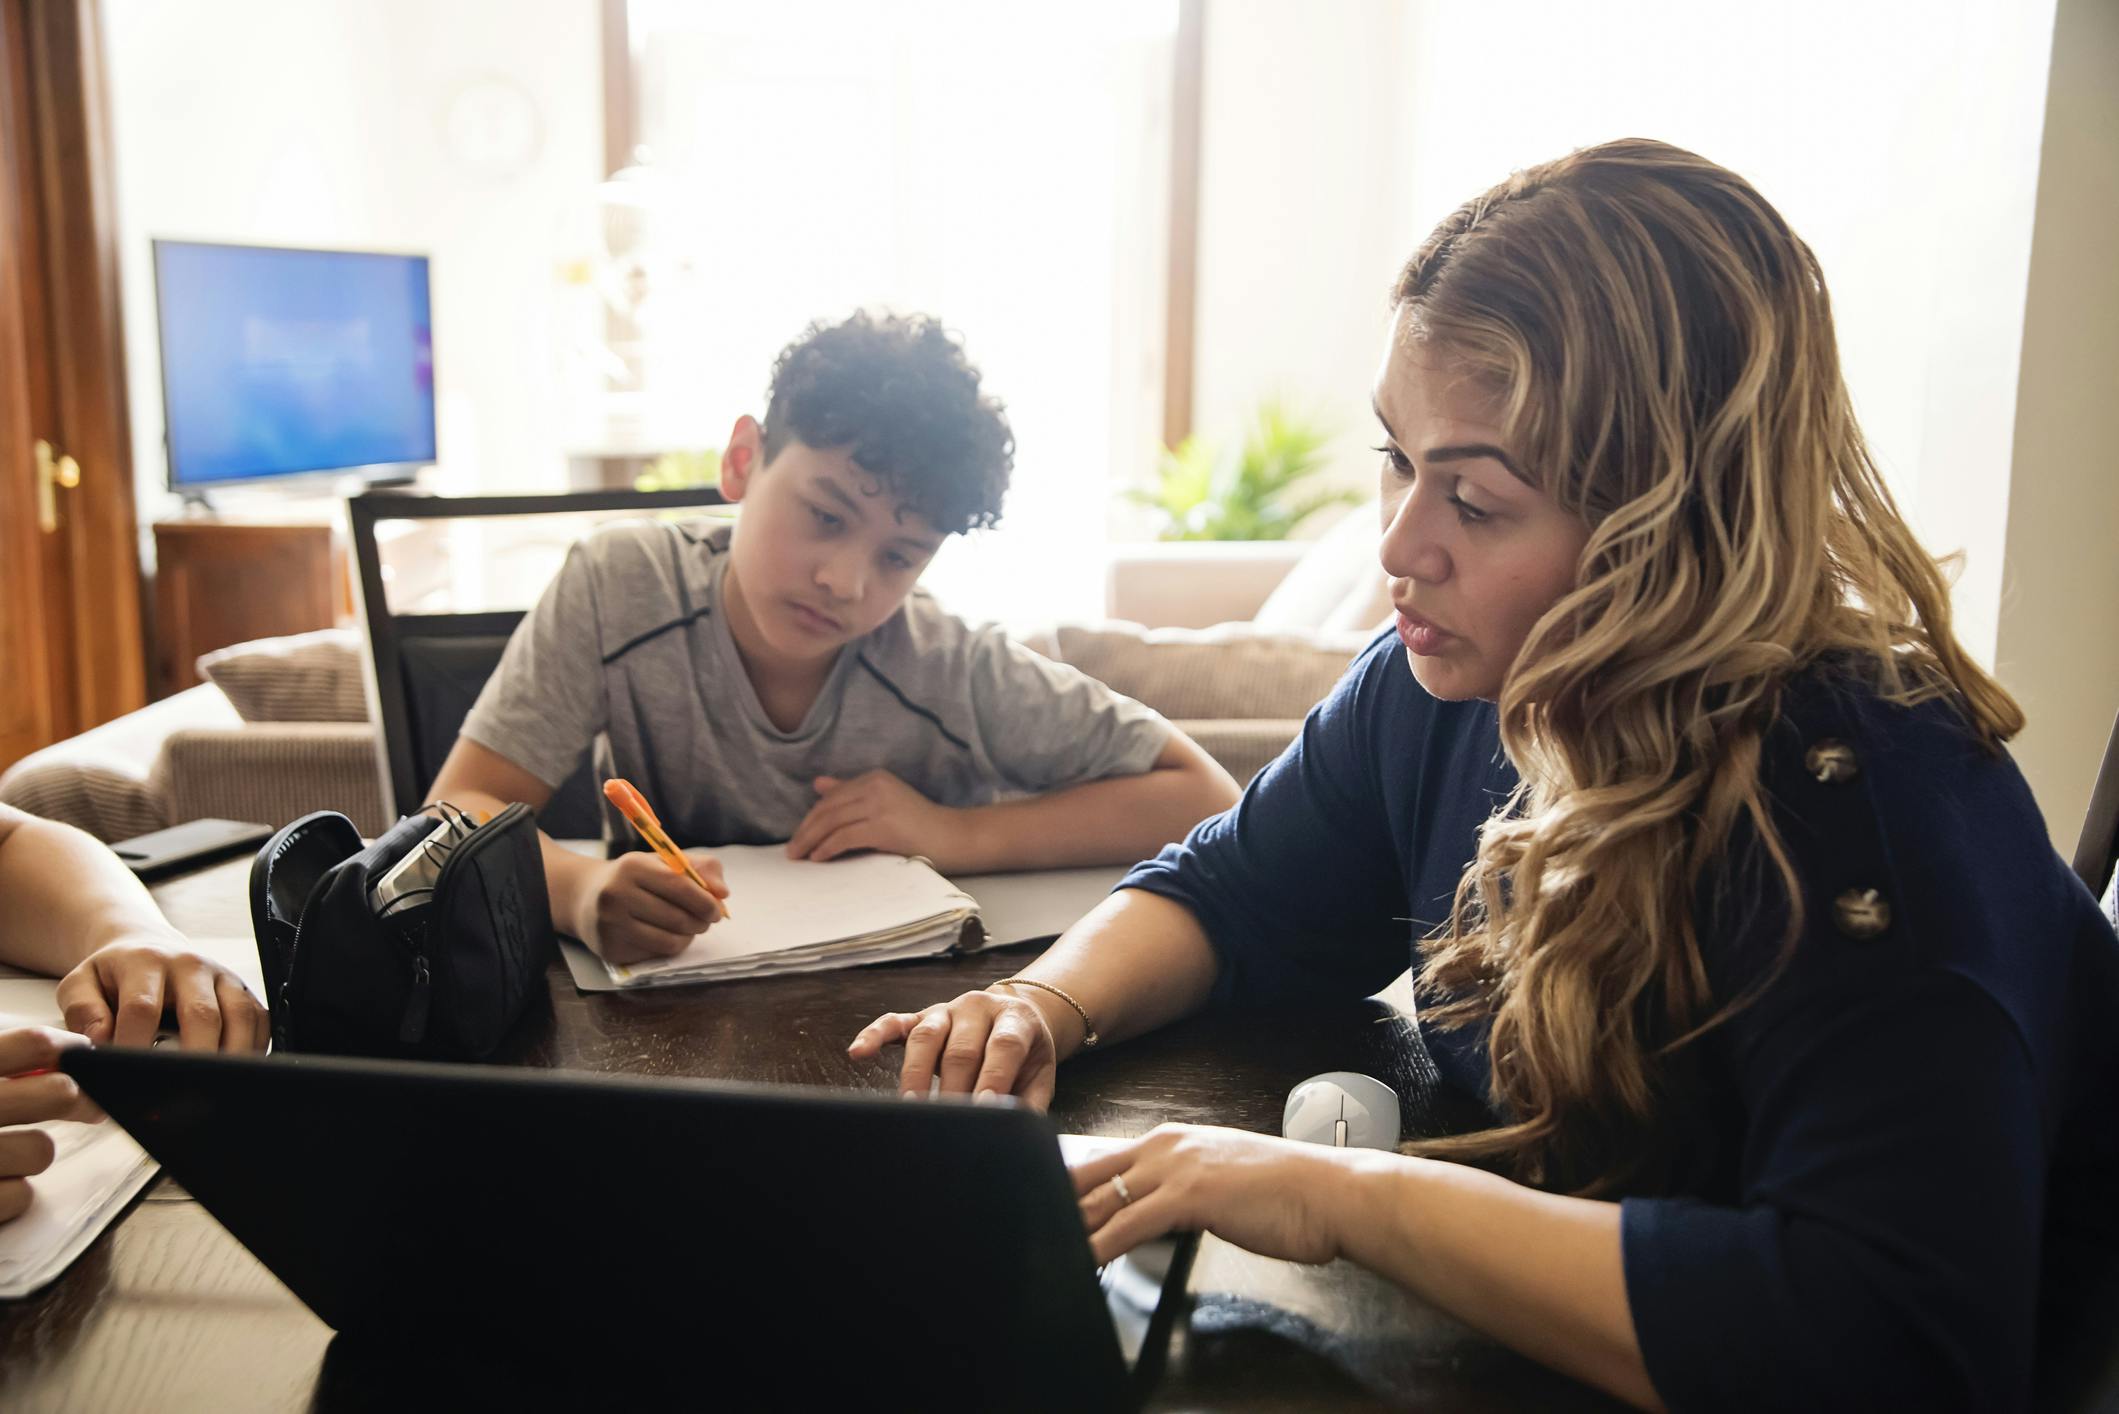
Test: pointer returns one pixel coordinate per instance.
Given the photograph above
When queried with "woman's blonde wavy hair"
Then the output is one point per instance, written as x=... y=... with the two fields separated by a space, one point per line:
x=1662 y=346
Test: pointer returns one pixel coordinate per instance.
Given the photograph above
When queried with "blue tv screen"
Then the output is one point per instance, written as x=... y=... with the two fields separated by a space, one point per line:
x=276 y=362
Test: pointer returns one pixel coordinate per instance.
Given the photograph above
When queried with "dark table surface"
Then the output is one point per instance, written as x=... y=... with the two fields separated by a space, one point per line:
x=167 y=1312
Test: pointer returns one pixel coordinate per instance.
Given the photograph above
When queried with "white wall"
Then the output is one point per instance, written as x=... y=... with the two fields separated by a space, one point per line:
x=1003 y=167
x=2059 y=642
x=1901 y=138
x=324 y=122
x=1300 y=232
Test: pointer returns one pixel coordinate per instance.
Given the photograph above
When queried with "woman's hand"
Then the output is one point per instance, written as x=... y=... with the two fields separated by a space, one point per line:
x=1276 y=1197
x=637 y=907
x=982 y=1042
x=30 y=1098
x=120 y=992
x=876 y=810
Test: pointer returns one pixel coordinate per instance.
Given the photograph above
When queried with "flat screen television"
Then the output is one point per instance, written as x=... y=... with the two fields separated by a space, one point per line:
x=280 y=363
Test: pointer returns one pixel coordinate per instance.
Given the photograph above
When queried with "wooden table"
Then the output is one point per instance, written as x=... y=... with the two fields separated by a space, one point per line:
x=167 y=1312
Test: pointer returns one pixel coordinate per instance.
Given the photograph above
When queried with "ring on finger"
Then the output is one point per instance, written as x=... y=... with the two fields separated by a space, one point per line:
x=1125 y=1194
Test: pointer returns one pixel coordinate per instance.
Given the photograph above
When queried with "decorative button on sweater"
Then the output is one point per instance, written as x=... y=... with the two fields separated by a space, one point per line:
x=1832 y=762
x=1861 y=913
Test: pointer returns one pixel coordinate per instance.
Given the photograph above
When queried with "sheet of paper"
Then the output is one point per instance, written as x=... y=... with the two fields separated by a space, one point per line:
x=1080 y=1148
x=1042 y=903
x=97 y=1170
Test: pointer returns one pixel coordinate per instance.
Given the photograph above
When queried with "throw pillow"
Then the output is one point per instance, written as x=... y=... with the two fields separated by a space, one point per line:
x=1337 y=584
x=304 y=677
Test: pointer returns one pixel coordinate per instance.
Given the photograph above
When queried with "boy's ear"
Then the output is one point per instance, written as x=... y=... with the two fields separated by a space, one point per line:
x=742 y=457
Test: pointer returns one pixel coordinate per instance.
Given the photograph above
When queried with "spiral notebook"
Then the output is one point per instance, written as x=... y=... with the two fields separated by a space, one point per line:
x=798 y=915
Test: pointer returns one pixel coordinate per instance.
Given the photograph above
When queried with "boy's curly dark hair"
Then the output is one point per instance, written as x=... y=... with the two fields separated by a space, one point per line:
x=898 y=393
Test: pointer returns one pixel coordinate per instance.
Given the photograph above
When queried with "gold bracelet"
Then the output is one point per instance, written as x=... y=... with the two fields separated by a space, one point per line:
x=1088 y=1026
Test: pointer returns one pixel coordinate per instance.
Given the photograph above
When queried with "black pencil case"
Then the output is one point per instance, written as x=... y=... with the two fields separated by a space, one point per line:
x=446 y=979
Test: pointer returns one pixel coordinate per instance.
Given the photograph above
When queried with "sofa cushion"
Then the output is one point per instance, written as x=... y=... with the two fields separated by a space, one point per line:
x=272 y=773
x=304 y=677
x=1243 y=745
x=1228 y=671
x=1337 y=585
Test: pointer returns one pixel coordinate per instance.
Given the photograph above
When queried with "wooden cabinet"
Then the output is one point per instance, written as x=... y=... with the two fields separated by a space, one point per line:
x=221 y=582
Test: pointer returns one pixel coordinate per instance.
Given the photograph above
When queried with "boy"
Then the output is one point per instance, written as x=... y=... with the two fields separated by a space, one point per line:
x=780 y=680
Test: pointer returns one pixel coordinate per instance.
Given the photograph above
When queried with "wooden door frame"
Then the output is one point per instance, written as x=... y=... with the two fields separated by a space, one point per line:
x=621 y=99
x=28 y=716
x=91 y=566
x=1181 y=297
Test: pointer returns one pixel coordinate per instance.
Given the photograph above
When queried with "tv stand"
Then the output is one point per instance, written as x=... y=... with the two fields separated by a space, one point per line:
x=222 y=581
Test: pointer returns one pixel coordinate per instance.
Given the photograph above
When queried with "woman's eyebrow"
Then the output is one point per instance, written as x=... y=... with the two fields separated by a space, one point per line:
x=1456 y=451
x=1470 y=451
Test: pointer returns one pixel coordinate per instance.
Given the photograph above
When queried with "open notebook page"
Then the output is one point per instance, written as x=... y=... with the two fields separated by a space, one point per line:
x=97 y=1168
x=802 y=907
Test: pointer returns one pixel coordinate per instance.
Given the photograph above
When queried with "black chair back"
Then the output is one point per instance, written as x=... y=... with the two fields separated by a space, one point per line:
x=428 y=668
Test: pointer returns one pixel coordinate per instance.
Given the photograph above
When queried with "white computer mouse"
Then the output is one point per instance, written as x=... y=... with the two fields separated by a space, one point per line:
x=1343 y=1109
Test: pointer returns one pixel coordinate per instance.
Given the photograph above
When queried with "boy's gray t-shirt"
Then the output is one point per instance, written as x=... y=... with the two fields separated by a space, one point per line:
x=629 y=652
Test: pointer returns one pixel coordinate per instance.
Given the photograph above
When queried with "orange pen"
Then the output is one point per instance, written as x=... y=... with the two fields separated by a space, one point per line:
x=633 y=805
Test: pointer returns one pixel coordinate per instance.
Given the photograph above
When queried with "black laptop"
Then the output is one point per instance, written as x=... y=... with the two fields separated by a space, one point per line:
x=766 y=1245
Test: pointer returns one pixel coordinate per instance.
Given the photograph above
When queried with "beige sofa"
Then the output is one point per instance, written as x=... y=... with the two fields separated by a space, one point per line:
x=192 y=756
x=280 y=727
x=244 y=745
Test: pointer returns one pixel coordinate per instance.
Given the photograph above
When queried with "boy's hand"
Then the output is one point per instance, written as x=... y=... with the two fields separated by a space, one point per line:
x=876 y=810
x=636 y=907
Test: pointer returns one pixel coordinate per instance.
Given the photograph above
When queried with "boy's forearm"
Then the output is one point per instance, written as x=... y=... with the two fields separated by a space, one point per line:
x=1114 y=821
x=64 y=895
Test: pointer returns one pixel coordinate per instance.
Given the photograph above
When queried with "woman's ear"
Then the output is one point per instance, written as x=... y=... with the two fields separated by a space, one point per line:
x=742 y=457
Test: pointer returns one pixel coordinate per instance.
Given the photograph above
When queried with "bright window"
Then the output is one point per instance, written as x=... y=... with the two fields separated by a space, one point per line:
x=1004 y=167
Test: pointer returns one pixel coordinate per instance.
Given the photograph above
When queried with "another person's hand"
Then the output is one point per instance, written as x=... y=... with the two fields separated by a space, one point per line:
x=120 y=992
x=1276 y=1197
x=876 y=810
x=638 y=907
x=982 y=1041
x=27 y=1098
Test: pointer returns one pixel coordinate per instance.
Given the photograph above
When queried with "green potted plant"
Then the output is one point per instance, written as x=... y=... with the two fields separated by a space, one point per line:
x=1261 y=488
x=674 y=471
x=1224 y=517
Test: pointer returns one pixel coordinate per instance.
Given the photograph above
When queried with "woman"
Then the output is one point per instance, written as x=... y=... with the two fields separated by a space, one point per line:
x=67 y=905
x=1695 y=823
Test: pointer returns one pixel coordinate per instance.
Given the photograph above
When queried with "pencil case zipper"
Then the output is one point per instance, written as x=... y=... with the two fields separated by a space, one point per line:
x=421 y=937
